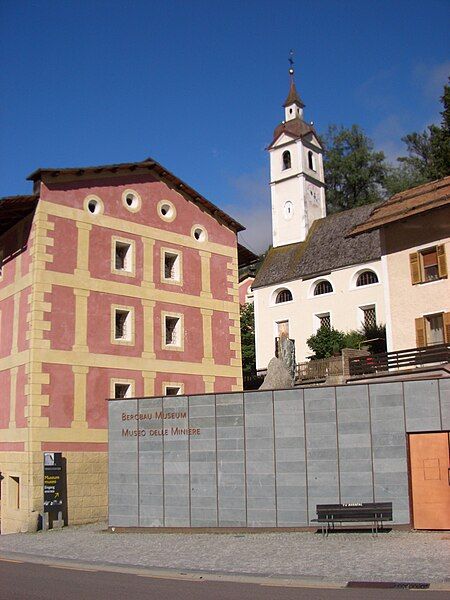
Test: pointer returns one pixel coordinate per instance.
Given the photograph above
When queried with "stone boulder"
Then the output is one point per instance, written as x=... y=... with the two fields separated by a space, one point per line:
x=278 y=376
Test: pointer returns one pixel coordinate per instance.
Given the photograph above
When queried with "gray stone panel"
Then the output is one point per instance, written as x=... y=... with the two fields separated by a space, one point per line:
x=388 y=439
x=422 y=408
x=176 y=462
x=151 y=476
x=203 y=450
x=231 y=501
x=444 y=394
x=353 y=420
x=321 y=434
x=123 y=466
x=259 y=420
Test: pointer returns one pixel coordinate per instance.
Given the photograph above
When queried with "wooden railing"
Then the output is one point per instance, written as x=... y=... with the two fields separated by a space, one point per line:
x=387 y=361
x=322 y=368
x=319 y=369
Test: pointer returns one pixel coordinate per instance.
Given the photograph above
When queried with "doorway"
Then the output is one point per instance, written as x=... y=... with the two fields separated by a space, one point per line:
x=430 y=479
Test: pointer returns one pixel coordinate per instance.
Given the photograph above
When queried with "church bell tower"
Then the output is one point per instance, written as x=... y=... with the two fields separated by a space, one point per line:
x=296 y=173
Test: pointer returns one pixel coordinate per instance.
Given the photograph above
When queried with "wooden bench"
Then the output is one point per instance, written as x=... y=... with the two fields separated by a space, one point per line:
x=375 y=513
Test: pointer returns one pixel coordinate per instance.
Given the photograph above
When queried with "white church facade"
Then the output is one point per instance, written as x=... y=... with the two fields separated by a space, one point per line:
x=314 y=274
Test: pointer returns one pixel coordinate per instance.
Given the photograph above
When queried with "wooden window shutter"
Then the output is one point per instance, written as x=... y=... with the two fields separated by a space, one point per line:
x=414 y=263
x=421 y=339
x=441 y=260
x=446 y=319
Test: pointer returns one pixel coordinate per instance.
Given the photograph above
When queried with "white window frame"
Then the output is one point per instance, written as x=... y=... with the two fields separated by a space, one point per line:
x=129 y=382
x=273 y=297
x=362 y=308
x=316 y=319
x=179 y=346
x=129 y=325
x=178 y=279
x=356 y=274
x=173 y=384
x=316 y=282
x=130 y=271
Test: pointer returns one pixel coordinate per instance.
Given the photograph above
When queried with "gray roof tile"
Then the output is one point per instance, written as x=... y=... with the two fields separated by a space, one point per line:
x=325 y=249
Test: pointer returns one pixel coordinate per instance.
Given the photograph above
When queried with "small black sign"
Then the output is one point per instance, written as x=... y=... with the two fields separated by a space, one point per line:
x=54 y=483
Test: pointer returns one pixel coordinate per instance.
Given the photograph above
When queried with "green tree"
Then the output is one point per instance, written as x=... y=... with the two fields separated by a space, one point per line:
x=377 y=333
x=248 y=339
x=354 y=171
x=326 y=342
x=401 y=177
x=429 y=152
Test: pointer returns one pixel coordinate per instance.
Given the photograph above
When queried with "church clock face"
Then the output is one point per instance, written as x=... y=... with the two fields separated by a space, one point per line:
x=288 y=210
x=312 y=193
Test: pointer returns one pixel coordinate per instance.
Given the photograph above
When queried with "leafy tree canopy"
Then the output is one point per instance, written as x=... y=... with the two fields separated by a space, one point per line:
x=356 y=174
x=248 y=339
x=354 y=171
x=329 y=342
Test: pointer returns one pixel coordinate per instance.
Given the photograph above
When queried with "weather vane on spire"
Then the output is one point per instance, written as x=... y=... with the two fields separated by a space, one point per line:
x=291 y=63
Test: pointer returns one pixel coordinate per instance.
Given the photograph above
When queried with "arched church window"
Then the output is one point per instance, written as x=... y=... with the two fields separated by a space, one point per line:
x=286 y=160
x=366 y=278
x=283 y=296
x=311 y=161
x=323 y=287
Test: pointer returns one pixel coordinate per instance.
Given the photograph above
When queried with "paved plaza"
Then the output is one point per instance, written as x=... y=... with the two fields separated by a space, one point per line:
x=393 y=556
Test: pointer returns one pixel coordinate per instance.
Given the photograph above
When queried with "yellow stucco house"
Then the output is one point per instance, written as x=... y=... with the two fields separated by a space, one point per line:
x=414 y=226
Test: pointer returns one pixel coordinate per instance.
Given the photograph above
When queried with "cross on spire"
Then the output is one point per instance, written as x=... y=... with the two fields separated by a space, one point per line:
x=293 y=97
x=291 y=64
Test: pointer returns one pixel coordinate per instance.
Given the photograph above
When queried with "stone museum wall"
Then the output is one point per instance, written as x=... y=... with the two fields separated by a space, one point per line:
x=265 y=459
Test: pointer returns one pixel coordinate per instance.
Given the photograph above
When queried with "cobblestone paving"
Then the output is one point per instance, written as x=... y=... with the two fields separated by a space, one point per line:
x=393 y=556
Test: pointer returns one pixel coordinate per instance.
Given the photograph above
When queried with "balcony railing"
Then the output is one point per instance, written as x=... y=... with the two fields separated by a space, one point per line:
x=323 y=368
x=403 y=359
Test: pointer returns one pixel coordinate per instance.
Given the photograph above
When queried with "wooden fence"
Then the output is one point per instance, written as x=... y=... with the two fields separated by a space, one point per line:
x=402 y=359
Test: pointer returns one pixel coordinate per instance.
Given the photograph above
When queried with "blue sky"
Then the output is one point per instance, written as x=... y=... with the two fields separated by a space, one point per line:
x=198 y=85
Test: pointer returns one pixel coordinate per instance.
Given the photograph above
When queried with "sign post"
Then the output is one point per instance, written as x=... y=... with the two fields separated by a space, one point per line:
x=55 y=497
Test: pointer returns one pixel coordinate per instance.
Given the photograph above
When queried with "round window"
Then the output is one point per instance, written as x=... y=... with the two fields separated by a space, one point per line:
x=131 y=200
x=93 y=205
x=167 y=210
x=199 y=233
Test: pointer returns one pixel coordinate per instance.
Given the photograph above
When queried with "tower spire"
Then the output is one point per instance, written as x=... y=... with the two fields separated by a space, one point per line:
x=293 y=104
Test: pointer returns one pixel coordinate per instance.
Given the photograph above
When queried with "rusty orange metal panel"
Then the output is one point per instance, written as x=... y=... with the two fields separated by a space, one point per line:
x=430 y=464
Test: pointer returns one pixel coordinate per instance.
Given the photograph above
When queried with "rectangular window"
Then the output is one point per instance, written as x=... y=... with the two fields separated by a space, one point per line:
x=325 y=320
x=171 y=262
x=122 y=258
x=172 y=331
x=434 y=329
x=283 y=328
x=172 y=390
x=430 y=265
x=122 y=390
x=369 y=316
x=171 y=266
x=122 y=325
